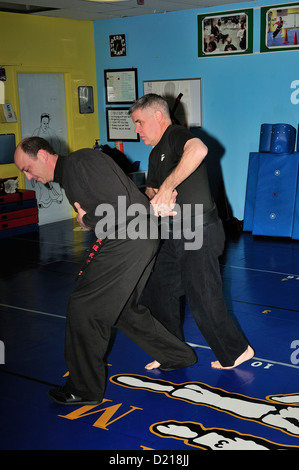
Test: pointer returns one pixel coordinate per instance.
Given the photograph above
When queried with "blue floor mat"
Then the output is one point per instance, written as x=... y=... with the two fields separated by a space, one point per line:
x=254 y=406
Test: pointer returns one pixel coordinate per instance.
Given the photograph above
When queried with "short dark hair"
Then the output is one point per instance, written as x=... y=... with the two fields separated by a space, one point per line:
x=31 y=145
x=151 y=99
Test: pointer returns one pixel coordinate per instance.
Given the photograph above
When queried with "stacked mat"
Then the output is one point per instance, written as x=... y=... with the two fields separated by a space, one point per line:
x=272 y=192
x=18 y=213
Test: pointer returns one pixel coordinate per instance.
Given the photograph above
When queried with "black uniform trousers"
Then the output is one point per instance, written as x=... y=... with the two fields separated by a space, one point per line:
x=195 y=274
x=107 y=295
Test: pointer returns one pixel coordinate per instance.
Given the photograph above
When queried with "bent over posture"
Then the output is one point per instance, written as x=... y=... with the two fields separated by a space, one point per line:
x=109 y=287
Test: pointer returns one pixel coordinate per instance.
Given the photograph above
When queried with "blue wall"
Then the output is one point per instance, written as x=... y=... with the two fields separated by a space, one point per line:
x=239 y=93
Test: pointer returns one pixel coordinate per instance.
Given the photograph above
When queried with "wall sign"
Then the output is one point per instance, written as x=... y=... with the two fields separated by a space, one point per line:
x=120 y=125
x=120 y=86
x=183 y=98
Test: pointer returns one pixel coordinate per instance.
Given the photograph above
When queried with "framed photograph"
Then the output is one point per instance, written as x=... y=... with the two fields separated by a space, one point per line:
x=120 y=86
x=225 y=33
x=183 y=96
x=280 y=28
x=120 y=125
x=85 y=94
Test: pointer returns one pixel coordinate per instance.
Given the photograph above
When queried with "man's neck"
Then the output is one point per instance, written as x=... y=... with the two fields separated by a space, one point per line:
x=164 y=127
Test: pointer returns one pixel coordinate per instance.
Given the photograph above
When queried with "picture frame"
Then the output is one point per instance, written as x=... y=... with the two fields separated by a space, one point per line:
x=278 y=28
x=120 y=125
x=225 y=34
x=120 y=86
x=184 y=98
x=85 y=95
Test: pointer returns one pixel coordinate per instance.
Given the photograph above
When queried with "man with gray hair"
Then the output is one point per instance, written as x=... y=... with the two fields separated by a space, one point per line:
x=177 y=176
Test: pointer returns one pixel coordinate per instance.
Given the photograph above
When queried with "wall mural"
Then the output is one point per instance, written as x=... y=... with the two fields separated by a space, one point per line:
x=43 y=114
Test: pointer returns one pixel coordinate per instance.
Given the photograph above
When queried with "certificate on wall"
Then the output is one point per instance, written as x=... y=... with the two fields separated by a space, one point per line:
x=183 y=97
x=120 y=86
x=120 y=125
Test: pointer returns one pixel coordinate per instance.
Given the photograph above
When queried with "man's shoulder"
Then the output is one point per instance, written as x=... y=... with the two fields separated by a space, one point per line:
x=82 y=153
x=87 y=154
x=178 y=129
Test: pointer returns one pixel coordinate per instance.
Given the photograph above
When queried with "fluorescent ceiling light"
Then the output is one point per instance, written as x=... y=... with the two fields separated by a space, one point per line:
x=105 y=1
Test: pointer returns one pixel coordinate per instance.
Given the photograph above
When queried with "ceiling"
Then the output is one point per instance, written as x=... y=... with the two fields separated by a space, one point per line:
x=106 y=9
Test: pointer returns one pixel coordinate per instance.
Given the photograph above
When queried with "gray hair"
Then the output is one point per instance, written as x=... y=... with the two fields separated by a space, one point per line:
x=152 y=100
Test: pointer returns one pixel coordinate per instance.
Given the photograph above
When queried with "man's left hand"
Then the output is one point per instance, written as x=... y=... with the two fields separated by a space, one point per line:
x=80 y=215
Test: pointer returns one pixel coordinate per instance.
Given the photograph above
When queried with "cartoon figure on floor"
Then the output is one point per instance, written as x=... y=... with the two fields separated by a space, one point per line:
x=196 y=435
x=266 y=412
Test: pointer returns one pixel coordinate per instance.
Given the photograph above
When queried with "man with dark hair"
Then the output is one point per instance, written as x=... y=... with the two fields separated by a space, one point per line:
x=177 y=169
x=109 y=287
x=33 y=145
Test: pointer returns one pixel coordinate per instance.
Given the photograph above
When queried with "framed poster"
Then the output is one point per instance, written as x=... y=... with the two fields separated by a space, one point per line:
x=43 y=114
x=280 y=28
x=120 y=86
x=183 y=97
x=120 y=125
x=226 y=33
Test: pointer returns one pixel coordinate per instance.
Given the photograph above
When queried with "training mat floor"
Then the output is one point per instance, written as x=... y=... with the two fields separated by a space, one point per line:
x=251 y=407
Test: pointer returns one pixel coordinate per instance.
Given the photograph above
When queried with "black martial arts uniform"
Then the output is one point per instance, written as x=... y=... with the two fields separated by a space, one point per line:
x=109 y=287
x=194 y=273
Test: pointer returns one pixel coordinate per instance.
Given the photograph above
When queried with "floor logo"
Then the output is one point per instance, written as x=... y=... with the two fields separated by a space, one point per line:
x=279 y=412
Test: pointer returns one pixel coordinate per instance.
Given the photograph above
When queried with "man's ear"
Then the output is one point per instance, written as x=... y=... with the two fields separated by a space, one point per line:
x=42 y=155
x=158 y=116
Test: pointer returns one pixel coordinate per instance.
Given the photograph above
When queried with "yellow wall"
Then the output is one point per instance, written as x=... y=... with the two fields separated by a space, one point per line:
x=36 y=44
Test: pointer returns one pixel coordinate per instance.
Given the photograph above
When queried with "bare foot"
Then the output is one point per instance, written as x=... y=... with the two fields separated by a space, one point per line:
x=152 y=365
x=248 y=354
